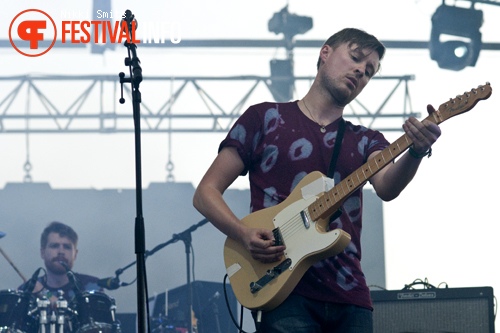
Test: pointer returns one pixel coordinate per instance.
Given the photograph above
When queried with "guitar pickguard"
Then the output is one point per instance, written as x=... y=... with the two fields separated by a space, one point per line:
x=299 y=233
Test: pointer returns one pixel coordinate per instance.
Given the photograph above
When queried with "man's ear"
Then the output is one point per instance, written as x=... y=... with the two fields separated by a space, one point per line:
x=325 y=52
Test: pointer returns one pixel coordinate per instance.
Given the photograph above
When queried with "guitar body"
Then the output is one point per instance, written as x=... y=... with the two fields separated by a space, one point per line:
x=305 y=246
x=301 y=222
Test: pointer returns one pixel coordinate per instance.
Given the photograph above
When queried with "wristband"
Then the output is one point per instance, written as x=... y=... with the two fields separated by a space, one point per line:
x=414 y=154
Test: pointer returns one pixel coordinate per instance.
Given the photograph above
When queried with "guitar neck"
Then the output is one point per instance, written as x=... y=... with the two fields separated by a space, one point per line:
x=331 y=200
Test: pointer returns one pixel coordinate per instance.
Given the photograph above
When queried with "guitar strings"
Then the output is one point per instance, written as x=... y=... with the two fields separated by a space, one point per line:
x=291 y=227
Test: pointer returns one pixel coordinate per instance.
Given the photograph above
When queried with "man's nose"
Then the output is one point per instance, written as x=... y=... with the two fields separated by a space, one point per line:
x=359 y=72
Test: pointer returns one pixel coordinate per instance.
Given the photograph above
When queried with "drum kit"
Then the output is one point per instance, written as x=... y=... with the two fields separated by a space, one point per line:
x=21 y=311
x=87 y=312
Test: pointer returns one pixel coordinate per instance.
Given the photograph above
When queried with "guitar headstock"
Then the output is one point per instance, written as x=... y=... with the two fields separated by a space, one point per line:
x=463 y=103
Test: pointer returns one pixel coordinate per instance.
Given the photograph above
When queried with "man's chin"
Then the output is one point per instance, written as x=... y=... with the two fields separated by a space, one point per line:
x=343 y=96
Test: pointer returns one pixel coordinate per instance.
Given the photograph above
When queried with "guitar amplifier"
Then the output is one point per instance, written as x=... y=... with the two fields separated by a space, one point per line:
x=464 y=310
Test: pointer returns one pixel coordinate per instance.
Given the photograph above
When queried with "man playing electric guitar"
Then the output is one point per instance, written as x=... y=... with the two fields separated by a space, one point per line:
x=278 y=145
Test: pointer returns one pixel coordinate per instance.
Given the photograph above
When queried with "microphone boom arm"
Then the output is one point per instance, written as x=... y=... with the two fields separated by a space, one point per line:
x=175 y=238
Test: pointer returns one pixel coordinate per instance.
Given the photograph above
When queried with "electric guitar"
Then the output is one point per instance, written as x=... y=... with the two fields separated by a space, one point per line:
x=301 y=222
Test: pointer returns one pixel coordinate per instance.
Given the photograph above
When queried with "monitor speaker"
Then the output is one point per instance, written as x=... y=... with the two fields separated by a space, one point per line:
x=211 y=313
x=434 y=310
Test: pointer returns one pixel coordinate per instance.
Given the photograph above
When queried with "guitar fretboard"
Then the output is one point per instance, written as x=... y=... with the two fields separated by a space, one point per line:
x=331 y=200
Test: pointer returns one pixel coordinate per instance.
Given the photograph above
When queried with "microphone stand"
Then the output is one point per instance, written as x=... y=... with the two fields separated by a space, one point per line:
x=135 y=79
x=184 y=236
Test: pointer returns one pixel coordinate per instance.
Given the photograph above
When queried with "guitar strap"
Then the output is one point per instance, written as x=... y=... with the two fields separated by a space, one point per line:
x=336 y=148
x=333 y=161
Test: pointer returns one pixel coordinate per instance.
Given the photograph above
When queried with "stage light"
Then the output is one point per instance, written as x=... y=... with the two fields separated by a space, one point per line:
x=464 y=23
x=282 y=80
x=289 y=24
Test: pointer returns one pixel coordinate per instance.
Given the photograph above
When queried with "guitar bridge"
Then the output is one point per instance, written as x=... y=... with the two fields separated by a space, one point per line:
x=270 y=275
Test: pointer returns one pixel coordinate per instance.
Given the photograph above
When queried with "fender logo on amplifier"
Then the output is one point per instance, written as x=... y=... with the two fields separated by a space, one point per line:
x=417 y=295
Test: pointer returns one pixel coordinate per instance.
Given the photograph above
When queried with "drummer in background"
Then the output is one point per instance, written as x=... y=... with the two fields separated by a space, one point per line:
x=58 y=248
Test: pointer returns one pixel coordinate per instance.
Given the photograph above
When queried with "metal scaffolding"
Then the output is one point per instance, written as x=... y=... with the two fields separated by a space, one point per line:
x=28 y=106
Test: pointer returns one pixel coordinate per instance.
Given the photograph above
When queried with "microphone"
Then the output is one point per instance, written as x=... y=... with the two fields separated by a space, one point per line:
x=130 y=19
x=65 y=265
x=129 y=23
x=71 y=276
x=30 y=285
x=110 y=283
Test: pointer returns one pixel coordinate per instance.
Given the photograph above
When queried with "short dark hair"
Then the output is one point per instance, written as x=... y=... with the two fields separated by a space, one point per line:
x=60 y=228
x=355 y=36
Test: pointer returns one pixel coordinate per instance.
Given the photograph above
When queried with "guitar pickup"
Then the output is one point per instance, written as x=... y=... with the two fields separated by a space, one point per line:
x=270 y=275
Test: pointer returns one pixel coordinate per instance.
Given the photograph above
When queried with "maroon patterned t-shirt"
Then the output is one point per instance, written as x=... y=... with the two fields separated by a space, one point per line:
x=279 y=145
